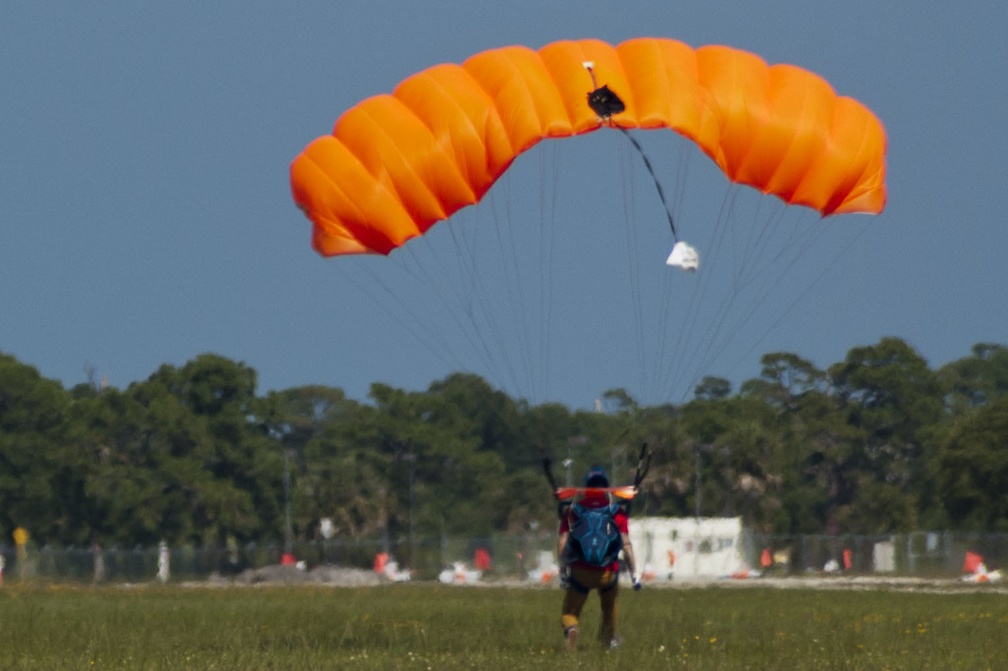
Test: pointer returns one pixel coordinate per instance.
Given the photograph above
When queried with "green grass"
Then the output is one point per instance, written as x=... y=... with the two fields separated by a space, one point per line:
x=435 y=627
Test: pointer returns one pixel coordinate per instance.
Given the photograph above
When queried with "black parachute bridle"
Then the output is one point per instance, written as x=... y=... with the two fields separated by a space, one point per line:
x=605 y=103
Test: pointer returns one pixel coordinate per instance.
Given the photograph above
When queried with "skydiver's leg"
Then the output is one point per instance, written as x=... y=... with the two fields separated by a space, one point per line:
x=579 y=585
x=608 y=597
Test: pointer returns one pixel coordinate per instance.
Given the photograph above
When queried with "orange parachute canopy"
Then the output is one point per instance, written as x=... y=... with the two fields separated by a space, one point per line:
x=396 y=164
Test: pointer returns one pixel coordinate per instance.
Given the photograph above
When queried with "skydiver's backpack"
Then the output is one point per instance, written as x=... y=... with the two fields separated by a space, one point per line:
x=594 y=538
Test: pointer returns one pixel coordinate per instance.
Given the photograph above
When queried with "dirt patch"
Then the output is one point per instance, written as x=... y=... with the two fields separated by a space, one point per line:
x=344 y=576
x=337 y=576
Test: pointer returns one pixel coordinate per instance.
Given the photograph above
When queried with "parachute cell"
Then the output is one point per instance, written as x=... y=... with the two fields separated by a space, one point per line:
x=396 y=164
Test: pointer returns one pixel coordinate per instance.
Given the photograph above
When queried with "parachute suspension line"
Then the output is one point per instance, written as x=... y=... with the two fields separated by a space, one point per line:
x=758 y=285
x=490 y=325
x=694 y=345
x=456 y=303
x=633 y=269
x=759 y=264
x=687 y=344
x=752 y=269
x=519 y=371
x=414 y=325
x=823 y=271
x=461 y=296
x=682 y=170
x=528 y=303
x=465 y=239
x=720 y=330
x=549 y=171
x=749 y=259
x=665 y=349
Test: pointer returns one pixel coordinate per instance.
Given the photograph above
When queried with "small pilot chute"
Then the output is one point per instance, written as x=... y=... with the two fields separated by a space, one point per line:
x=683 y=256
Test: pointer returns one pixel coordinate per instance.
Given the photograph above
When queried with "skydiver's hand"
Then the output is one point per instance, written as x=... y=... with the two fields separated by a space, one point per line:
x=636 y=581
x=564 y=577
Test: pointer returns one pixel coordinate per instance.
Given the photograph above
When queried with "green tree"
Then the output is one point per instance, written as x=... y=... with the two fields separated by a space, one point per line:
x=973 y=470
x=784 y=379
x=332 y=475
x=977 y=380
x=203 y=467
x=669 y=486
x=814 y=446
x=887 y=393
x=34 y=463
x=736 y=447
x=712 y=388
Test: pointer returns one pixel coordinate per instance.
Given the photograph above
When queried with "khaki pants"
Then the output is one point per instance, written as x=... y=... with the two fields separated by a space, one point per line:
x=582 y=582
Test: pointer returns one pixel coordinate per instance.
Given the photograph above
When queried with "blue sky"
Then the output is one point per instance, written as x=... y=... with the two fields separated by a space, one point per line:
x=146 y=217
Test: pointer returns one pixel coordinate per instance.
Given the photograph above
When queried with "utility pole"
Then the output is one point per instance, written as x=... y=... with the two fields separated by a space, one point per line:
x=411 y=458
x=288 y=529
x=696 y=471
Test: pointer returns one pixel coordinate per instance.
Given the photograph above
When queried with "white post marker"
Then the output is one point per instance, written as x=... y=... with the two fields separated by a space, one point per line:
x=163 y=562
x=683 y=256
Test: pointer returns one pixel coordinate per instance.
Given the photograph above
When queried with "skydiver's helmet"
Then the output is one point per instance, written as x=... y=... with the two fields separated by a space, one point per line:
x=596 y=477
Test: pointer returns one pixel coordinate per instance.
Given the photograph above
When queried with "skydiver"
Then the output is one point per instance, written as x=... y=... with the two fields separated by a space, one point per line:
x=580 y=575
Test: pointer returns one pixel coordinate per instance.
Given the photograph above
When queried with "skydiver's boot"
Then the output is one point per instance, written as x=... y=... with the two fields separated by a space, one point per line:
x=571 y=635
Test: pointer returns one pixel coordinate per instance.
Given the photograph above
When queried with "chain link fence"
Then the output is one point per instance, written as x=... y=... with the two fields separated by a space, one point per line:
x=939 y=554
x=509 y=556
x=923 y=554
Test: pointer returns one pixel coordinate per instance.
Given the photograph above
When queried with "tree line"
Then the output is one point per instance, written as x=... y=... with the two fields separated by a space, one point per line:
x=876 y=443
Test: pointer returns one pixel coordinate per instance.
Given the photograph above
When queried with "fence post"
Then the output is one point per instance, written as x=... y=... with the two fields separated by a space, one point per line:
x=98 y=559
x=164 y=562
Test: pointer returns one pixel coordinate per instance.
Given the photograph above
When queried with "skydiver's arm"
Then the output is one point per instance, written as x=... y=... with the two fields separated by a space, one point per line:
x=629 y=554
x=562 y=547
x=630 y=560
x=561 y=554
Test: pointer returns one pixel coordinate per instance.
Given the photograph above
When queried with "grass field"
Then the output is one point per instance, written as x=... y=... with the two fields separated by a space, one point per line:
x=437 y=627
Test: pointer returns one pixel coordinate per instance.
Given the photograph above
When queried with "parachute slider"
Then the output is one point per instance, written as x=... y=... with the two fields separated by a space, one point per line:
x=604 y=102
x=683 y=256
x=601 y=99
